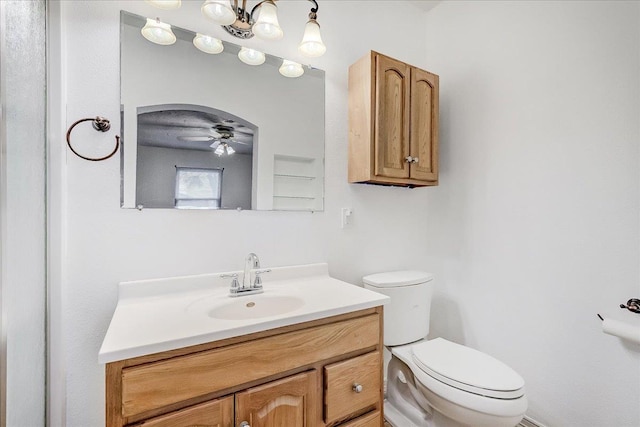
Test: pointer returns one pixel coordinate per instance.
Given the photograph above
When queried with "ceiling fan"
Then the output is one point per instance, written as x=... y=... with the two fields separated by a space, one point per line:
x=221 y=136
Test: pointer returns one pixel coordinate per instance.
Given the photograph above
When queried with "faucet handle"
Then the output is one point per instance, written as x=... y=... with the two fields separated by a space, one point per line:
x=234 y=282
x=257 y=283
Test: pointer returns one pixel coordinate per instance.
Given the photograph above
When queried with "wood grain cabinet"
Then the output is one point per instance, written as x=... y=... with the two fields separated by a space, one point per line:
x=323 y=373
x=393 y=123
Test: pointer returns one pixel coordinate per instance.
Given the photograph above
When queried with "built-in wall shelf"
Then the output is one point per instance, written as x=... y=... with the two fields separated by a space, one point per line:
x=277 y=175
x=296 y=183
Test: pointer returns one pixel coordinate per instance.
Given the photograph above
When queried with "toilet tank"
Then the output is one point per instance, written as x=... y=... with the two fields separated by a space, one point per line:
x=406 y=316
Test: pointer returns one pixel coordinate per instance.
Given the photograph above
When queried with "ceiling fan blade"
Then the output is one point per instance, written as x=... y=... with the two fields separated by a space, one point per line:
x=235 y=141
x=195 y=138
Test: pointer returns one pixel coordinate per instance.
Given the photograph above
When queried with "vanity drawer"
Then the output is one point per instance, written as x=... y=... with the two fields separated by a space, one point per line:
x=352 y=385
x=154 y=385
x=369 y=420
x=217 y=413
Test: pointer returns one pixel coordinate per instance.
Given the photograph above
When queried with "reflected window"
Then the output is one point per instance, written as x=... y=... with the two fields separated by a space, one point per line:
x=198 y=188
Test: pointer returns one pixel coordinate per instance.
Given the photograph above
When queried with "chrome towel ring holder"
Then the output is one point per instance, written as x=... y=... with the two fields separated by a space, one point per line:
x=100 y=124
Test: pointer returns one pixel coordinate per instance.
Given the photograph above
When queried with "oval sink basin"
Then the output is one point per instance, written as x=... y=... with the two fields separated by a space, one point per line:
x=248 y=307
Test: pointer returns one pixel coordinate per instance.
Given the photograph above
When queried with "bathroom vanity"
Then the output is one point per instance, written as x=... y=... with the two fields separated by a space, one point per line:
x=180 y=352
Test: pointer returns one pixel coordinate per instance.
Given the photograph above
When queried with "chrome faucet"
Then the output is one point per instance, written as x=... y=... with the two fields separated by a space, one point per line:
x=251 y=264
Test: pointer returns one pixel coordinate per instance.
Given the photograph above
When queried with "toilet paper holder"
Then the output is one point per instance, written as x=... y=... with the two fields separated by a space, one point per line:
x=632 y=305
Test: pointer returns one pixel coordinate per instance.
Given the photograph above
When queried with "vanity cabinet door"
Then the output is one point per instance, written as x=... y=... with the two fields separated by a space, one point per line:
x=217 y=413
x=289 y=402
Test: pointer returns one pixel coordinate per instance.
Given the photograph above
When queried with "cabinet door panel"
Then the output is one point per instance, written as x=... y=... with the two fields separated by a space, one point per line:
x=392 y=118
x=424 y=120
x=218 y=413
x=288 y=402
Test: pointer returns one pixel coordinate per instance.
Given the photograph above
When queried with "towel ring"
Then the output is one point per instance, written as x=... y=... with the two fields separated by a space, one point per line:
x=100 y=124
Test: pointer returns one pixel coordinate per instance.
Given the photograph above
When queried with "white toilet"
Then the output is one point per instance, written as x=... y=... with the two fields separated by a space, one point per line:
x=437 y=382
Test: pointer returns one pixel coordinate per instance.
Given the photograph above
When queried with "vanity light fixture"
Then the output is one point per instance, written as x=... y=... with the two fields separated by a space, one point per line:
x=240 y=23
x=251 y=56
x=165 y=4
x=208 y=44
x=291 y=69
x=158 y=32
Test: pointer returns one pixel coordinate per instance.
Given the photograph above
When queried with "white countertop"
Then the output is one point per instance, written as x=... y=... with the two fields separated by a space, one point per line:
x=165 y=314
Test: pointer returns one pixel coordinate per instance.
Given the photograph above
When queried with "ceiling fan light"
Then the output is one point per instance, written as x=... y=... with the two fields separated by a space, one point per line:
x=251 y=56
x=230 y=150
x=266 y=26
x=291 y=69
x=158 y=32
x=219 y=11
x=219 y=150
x=208 y=44
x=311 y=44
x=165 y=4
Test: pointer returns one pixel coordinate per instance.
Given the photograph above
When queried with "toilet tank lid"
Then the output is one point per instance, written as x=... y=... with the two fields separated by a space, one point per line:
x=394 y=279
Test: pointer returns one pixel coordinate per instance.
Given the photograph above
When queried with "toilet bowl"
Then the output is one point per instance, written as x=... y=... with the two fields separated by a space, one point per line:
x=437 y=382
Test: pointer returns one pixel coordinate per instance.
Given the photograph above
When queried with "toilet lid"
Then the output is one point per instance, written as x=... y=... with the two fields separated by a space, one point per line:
x=467 y=369
x=397 y=278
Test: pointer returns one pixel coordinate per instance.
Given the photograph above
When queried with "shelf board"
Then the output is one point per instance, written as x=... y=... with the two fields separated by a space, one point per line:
x=282 y=175
x=293 y=197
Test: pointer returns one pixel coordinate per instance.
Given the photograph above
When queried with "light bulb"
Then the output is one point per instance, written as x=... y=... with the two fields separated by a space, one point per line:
x=251 y=56
x=311 y=44
x=208 y=44
x=219 y=151
x=158 y=32
x=219 y=11
x=266 y=26
x=230 y=150
x=165 y=4
x=291 y=69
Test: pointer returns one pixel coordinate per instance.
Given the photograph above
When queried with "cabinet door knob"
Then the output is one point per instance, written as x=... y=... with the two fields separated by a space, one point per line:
x=357 y=387
x=414 y=160
x=408 y=159
x=244 y=424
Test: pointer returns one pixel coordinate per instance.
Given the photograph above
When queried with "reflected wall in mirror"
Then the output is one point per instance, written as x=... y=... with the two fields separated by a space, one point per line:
x=206 y=131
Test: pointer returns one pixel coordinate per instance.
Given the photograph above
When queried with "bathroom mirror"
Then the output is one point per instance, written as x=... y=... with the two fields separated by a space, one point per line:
x=206 y=131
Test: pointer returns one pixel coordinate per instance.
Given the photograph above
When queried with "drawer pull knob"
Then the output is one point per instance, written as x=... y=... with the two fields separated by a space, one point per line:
x=357 y=387
x=244 y=424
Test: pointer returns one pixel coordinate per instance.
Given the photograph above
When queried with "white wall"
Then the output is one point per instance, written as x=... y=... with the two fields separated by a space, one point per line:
x=156 y=170
x=104 y=244
x=535 y=226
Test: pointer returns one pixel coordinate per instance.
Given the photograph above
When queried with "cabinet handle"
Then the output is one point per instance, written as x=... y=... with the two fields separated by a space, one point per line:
x=408 y=159
x=244 y=424
x=357 y=387
x=414 y=160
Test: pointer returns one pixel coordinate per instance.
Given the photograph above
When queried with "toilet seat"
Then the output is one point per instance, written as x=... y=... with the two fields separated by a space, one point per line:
x=476 y=400
x=467 y=369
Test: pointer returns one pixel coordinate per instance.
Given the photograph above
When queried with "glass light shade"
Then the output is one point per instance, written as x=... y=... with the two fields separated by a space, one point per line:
x=219 y=11
x=291 y=69
x=158 y=32
x=266 y=26
x=165 y=4
x=208 y=44
x=230 y=150
x=251 y=56
x=311 y=44
x=219 y=150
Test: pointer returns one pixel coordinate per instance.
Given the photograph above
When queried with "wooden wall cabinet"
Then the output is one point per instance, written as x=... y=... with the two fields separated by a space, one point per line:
x=393 y=123
x=323 y=373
